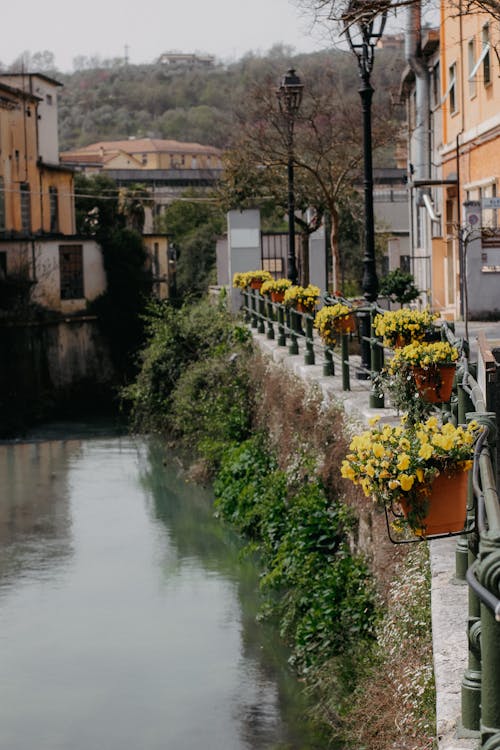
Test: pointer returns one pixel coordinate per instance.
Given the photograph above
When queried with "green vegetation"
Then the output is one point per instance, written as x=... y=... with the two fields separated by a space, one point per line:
x=121 y=306
x=317 y=590
x=399 y=286
x=357 y=627
x=194 y=363
x=193 y=227
x=112 y=100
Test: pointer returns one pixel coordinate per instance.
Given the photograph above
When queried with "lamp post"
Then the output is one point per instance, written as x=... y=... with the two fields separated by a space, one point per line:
x=290 y=98
x=363 y=32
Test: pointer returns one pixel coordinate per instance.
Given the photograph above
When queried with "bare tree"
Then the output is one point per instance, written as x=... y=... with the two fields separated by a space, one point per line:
x=327 y=154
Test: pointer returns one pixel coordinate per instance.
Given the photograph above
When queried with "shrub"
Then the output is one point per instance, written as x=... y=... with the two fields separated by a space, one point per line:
x=177 y=338
x=319 y=591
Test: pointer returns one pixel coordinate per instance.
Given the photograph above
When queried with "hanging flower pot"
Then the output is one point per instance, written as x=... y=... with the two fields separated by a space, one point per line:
x=347 y=323
x=434 y=383
x=421 y=469
x=446 y=505
x=277 y=296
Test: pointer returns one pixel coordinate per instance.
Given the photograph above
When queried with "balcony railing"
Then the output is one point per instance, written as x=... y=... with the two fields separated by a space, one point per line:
x=476 y=396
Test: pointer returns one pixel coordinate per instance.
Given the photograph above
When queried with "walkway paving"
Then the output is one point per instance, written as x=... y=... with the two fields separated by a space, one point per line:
x=448 y=596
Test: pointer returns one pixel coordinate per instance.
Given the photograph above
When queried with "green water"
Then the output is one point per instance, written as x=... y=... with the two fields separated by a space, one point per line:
x=127 y=616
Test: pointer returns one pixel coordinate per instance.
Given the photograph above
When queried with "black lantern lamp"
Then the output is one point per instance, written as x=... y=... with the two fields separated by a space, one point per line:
x=290 y=98
x=363 y=30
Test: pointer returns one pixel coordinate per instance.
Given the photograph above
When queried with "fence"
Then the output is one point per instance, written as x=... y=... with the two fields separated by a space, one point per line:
x=476 y=396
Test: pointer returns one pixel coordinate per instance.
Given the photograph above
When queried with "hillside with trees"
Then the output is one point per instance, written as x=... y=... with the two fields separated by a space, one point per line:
x=112 y=100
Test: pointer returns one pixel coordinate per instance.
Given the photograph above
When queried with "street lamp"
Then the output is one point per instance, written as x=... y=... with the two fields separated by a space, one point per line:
x=290 y=98
x=363 y=30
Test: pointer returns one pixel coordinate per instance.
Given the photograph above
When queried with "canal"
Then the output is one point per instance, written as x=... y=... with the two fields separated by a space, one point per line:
x=127 y=613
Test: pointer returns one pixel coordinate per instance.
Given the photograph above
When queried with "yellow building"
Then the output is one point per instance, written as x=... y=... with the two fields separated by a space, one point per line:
x=36 y=191
x=470 y=160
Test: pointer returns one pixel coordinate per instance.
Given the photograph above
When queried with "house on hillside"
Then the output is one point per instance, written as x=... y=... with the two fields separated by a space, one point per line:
x=452 y=90
x=39 y=251
x=166 y=167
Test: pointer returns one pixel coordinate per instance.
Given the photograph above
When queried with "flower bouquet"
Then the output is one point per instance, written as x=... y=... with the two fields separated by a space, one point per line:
x=275 y=288
x=333 y=320
x=401 y=327
x=432 y=366
x=252 y=279
x=422 y=469
x=303 y=299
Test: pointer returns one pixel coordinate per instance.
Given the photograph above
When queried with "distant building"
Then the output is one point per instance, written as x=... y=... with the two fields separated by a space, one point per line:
x=39 y=250
x=166 y=167
x=186 y=59
x=391 y=41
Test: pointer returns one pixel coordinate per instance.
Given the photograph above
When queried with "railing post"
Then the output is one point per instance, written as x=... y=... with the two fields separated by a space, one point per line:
x=489 y=577
x=377 y=362
x=344 y=353
x=474 y=676
x=328 y=365
x=270 y=318
x=309 y=358
x=293 y=346
x=281 y=326
x=465 y=405
x=253 y=308
x=261 y=305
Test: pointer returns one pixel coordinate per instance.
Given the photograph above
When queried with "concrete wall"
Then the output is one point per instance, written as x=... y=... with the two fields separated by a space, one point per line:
x=244 y=251
x=45 y=365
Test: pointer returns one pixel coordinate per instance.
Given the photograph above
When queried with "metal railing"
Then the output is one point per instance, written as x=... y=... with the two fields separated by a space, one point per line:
x=476 y=397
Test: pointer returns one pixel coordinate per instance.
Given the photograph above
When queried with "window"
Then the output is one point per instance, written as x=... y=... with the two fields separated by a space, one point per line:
x=471 y=60
x=54 y=209
x=71 y=271
x=25 y=207
x=452 y=86
x=49 y=99
x=484 y=57
x=485 y=54
x=405 y=263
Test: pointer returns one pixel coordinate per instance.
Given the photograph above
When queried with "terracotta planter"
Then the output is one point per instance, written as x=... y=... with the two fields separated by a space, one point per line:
x=434 y=383
x=400 y=341
x=447 y=505
x=303 y=309
x=346 y=324
x=256 y=284
x=277 y=296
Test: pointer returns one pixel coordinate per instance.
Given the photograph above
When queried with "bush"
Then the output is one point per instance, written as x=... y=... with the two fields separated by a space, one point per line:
x=211 y=405
x=399 y=286
x=176 y=339
x=317 y=589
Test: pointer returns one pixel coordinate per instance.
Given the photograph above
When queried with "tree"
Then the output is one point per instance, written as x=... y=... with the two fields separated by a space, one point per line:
x=193 y=223
x=335 y=13
x=327 y=154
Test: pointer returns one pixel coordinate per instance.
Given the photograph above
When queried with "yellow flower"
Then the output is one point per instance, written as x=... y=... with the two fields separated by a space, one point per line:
x=420 y=475
x=404 y=462
x=378 y=450
x=406 y=481
x=347 y=471
x=425 y=451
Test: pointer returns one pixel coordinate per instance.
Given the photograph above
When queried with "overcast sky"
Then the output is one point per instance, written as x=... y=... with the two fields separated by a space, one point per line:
x=224 y=28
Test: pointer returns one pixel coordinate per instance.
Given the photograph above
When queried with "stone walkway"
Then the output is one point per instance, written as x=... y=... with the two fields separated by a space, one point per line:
x=448 y=596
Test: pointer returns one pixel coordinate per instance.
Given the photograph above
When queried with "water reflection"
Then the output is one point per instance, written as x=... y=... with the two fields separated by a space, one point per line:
x=35 y=522
x=130 y=616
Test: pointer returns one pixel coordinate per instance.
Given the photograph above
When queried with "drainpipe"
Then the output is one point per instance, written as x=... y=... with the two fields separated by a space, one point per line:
x=421 y=135
x=417 y=63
